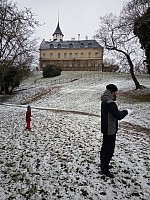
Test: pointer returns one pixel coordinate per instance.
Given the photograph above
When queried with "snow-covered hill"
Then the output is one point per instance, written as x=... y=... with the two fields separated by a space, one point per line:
x=59 y=158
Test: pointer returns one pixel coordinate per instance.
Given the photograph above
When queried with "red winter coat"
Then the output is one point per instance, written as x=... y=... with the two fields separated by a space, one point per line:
x=28 y=115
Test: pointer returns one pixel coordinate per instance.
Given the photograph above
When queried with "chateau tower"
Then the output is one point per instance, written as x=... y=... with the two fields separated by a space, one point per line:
x=57 y=35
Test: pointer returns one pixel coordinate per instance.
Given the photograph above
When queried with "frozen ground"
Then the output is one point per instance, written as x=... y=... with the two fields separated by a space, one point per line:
x=59 y=159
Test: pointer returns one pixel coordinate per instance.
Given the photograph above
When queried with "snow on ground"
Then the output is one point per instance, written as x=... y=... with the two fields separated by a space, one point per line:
x=59 y=159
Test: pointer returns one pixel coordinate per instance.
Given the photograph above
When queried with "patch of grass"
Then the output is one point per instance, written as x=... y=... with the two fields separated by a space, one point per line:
x=135 y=96
x=141 y=97
x=40 y=94
x=4 y=98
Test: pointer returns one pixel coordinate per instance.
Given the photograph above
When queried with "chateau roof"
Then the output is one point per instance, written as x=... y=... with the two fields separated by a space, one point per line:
x=70 y=44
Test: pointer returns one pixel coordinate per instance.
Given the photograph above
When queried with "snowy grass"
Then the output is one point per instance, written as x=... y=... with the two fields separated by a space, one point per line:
x=59 y=159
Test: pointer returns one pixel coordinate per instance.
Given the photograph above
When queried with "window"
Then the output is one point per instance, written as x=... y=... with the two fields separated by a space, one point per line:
x=96 y=54
x=51 y=46
x=44 y=54
x=89 y=54
x=82 y=45
x=70 y=64
x=82 y=55
x=81 y=63
x=96 y=63
x=89 y=64
x=59 y=46
x=51 y=55
x=70 y=55
x=89 y=45
x=70 y=45
x=65 y=55
x=76 y=55
x=58 y=55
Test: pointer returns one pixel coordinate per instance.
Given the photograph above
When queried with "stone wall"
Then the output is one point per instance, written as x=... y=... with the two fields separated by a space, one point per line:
x=75 y=65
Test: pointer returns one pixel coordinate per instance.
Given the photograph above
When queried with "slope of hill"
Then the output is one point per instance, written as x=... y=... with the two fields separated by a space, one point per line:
x=59 y=158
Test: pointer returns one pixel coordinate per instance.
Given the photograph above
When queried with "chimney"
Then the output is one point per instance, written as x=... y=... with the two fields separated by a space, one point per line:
x=78 y=36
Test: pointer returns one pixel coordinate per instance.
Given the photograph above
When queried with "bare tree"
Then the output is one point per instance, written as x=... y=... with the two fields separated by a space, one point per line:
x=114 y=38
x=131 y=15
x=131 y=11
x=16 y=43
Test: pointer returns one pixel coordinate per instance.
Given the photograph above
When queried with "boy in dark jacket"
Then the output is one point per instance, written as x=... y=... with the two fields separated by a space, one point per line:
x=109 y=126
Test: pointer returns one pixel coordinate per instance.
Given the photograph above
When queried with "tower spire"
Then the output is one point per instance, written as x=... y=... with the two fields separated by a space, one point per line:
x=57 y=35
x=58 y=15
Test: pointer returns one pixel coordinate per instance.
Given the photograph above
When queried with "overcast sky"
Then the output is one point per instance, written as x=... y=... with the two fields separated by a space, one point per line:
x=75 y=16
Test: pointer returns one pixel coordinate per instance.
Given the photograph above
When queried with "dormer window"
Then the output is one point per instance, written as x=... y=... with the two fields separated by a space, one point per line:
x=82 y=45
x=70 y=45
x=59 y=46
x=51 y=46
x=90 y=45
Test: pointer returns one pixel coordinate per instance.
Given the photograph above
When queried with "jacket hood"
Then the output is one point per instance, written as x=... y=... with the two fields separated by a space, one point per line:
x=107 y=96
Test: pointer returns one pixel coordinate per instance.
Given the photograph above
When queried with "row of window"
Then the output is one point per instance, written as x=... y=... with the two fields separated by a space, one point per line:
x=70 y=55
x=70 y=45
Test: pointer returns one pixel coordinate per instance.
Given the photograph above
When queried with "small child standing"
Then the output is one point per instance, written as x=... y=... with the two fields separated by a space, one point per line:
x=28 y=117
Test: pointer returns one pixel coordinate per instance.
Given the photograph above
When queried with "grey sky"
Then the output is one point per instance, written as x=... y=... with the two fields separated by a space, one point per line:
x=75 y=16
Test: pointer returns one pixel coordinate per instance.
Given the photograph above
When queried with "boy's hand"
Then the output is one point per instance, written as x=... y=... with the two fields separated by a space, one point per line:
x=129 y=111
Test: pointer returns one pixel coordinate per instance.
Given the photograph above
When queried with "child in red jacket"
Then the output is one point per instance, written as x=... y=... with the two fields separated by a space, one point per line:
x=28 y=117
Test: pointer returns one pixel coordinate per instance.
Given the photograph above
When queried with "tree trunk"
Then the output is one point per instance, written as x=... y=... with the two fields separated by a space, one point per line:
x=137 y=84
x=11 y=90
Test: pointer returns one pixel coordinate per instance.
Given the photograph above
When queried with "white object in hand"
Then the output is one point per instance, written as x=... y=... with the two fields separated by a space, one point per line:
x=129 y=111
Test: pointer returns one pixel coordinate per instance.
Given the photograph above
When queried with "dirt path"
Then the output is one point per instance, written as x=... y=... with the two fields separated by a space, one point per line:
x=126 y=125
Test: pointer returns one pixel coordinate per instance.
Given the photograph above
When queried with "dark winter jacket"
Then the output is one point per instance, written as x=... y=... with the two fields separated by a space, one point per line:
x=110 y=114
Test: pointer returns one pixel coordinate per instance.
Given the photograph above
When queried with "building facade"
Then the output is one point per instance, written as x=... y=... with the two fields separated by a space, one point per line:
x=72 y=55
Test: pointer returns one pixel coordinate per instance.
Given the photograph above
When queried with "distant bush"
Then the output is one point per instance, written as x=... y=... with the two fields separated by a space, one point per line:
x=11 y=80
x=51 y=71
